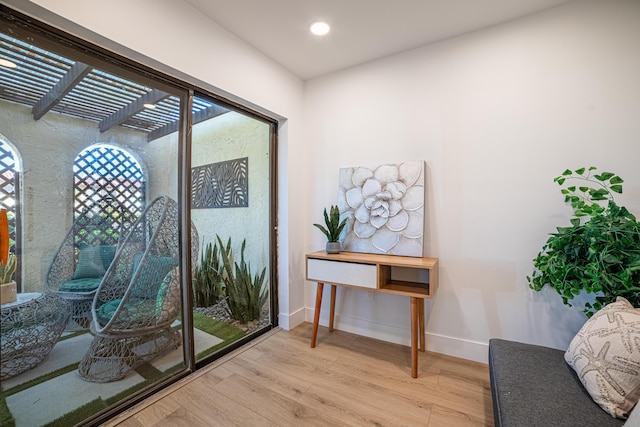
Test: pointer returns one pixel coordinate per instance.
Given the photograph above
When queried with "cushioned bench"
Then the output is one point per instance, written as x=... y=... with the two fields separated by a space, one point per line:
x=532 y=385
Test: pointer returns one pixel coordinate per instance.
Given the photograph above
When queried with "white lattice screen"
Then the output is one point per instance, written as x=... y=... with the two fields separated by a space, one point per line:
x=108 y=183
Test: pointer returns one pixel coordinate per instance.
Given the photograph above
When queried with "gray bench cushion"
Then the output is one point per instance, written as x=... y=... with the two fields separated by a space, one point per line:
x=532 y=385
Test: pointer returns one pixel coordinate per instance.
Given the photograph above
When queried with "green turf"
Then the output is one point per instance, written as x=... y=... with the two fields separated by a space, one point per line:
x=72 y=335
x=227 y=333
x=6 y=419
x=149 y=372
x=78 y=415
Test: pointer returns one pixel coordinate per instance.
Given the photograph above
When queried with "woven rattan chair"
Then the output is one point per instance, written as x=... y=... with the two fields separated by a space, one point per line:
x=139 y=297
x=84 y=256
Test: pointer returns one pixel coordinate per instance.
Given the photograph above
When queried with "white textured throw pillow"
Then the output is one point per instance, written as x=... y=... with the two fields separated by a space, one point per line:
x=606 y=356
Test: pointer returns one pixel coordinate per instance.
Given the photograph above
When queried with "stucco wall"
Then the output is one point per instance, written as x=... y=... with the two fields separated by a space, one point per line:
x=48 y=148
x=227 y=137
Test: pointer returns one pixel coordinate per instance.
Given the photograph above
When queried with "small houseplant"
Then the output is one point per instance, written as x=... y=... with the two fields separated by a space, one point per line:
x=599 y=252
x=8 y=262
x=333 y=229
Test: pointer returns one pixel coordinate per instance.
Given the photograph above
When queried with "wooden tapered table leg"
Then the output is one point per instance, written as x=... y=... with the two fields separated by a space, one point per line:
x=316 y=316
x=414 y=337
x=421 y=323
x=332 y=307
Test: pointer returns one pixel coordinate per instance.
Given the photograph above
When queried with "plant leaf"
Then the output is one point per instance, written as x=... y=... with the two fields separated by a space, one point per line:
x=616 y=180
x=604 y=176
x=616 y=188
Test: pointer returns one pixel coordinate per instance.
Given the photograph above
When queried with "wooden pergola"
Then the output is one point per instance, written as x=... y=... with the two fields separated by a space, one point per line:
x=47 y=82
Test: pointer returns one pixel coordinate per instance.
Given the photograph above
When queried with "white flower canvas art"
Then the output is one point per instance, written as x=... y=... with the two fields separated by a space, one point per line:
x=385 y=208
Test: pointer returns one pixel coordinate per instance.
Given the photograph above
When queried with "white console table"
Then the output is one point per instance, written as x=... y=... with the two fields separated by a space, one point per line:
x=374 y=272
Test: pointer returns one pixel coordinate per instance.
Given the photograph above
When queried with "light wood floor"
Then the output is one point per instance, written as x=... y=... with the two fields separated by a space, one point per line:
x=347 y=380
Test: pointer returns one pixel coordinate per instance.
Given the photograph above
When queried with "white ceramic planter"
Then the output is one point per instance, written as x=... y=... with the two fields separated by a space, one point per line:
x=8 y=292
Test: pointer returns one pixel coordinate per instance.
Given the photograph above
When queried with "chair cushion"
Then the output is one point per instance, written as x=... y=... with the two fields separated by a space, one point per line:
x=90 y=263
x=88 y=284
x=606 y=356
x=134 y=312
x=147 y=311
x=168 y=300
x=107 y=253
x=152 y=273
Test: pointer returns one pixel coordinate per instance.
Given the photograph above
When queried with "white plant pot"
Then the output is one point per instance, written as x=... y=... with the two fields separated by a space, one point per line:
x=8 y=292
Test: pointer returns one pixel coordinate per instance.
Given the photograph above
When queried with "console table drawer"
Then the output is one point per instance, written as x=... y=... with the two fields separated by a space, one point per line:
x=343 y=273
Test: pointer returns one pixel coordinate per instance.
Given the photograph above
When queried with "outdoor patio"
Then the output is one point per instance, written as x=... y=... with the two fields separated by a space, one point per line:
x=54 y=389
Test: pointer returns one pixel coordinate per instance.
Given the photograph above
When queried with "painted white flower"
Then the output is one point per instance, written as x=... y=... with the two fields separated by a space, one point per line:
x=385 y=207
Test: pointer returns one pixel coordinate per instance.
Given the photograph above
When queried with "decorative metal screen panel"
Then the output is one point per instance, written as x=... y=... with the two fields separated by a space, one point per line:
x=8 y=186
x=221 y=185
x=109 y=183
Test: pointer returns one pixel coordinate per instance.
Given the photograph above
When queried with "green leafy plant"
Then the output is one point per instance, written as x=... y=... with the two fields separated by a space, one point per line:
x=600 y=252
x=246 y=294
x=334 y=226
x=208 y=284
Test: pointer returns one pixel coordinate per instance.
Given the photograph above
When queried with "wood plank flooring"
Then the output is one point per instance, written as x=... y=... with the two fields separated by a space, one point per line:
x=347 y=380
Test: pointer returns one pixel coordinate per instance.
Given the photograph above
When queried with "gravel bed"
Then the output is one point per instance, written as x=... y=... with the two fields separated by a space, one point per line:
x=219 y=311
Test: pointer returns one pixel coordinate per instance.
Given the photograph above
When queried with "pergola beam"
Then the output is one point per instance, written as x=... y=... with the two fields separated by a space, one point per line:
x=198 y=117
x=152 y=97
x=74 y=75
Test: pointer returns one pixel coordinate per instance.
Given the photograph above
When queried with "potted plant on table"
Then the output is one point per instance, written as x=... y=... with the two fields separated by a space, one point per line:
x=600 y=252
x=333 y=229
x=8 y=263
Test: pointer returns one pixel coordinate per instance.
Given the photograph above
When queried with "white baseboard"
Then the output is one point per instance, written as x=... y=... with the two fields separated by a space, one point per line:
x=290 y=321
x=451 y=346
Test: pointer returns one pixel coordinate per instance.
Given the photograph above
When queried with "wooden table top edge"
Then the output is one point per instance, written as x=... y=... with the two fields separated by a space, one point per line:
x=365 y=258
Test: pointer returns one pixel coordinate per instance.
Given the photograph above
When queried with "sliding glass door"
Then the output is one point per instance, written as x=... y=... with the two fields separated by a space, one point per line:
x=231 y=207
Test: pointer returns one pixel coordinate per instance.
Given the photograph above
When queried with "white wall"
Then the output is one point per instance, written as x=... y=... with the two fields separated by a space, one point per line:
x=496 y=114
x=171 y=36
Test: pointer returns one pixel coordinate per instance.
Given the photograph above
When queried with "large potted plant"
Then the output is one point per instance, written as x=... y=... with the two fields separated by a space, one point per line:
x=333 y=229
x=599 y=252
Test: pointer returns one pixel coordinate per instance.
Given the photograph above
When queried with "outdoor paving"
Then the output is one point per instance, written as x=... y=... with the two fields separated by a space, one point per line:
x=50 y=400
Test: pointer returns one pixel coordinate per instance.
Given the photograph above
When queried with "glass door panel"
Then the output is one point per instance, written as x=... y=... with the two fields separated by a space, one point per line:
x=96 y=317
x=231 y=201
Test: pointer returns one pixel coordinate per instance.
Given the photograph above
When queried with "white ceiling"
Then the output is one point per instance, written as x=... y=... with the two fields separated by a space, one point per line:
x=362 y=30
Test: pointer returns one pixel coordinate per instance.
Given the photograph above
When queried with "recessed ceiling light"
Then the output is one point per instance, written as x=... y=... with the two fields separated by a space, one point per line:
x=7 y=63
x=320 y=28
x=149 y=105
